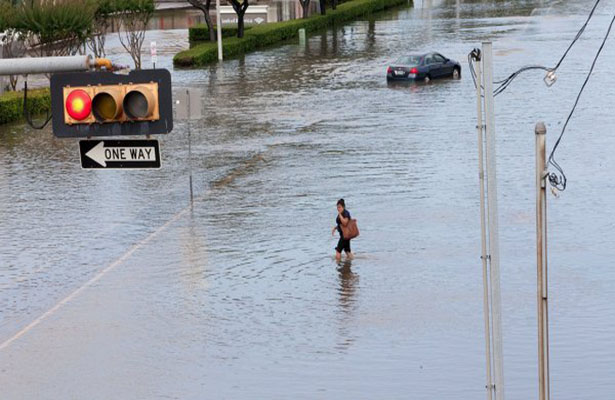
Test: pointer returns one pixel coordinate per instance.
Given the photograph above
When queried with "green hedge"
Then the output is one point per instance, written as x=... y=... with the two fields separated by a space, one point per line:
x=199 y=33
x=267 y=34
x=11 y=104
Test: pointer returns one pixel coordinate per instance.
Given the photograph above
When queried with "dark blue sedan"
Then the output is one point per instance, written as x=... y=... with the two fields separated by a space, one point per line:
x=423 y=67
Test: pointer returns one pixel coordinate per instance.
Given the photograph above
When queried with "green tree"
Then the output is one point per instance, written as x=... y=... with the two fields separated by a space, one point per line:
x=56 y=28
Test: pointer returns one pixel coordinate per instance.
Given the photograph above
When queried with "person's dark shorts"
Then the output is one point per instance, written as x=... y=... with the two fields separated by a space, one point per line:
x=343 y=244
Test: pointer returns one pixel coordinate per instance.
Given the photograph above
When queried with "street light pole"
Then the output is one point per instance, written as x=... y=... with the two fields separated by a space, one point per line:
x=219 y=29
x=494 y=241
x=483 y=231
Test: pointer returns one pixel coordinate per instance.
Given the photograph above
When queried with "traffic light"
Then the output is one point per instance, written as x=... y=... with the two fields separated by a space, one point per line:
x=88 y=104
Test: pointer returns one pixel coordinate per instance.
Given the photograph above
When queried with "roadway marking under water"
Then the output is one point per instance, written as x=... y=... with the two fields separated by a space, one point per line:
x=94 y=279
x=233 y=174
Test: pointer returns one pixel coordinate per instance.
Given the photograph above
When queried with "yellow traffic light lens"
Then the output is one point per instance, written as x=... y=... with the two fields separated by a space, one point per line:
x=136 y=105
x=105 y=107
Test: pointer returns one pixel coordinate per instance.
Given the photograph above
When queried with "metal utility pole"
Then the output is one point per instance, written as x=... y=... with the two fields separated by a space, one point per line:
x=494 y=236
x=541 y=253
x=219 y=29
x=483 y=230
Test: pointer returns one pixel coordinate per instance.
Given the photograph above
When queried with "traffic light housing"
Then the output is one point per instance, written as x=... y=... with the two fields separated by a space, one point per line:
x=89 y=104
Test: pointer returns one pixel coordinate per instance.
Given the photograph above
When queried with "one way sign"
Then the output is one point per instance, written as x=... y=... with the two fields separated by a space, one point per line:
x=108 y=154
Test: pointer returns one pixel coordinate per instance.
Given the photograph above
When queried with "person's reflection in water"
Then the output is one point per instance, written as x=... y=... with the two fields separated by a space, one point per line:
x=348 y=285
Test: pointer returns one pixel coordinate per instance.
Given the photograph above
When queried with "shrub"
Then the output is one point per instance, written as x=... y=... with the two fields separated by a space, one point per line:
x=199 y=33
x=11 y=104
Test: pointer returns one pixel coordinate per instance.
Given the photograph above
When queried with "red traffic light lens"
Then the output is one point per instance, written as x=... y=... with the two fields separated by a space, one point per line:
x=78 y=104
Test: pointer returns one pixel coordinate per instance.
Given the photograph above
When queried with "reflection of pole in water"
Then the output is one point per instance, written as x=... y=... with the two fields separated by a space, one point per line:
x=426 y=14
x=371 y=33
x=194 y=255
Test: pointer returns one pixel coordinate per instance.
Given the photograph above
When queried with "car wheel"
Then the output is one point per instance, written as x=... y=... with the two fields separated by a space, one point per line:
x=427 y=79
x=456 y=74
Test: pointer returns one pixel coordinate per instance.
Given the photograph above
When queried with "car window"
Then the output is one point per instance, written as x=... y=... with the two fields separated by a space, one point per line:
x=439 y=58
x=408 y=60
x=429 y=60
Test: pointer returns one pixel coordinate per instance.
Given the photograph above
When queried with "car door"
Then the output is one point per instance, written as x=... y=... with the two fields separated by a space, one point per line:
x=432 y=68
x=445 y=66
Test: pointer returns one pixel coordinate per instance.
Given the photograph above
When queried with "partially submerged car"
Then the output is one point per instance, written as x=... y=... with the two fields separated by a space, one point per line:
x=423 y=67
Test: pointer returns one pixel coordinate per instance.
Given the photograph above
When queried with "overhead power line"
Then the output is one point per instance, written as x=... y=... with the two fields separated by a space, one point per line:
x=558 y=180
x=506 y=82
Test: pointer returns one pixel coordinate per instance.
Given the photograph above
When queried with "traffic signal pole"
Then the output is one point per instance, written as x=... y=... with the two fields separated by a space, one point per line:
x=49 y=65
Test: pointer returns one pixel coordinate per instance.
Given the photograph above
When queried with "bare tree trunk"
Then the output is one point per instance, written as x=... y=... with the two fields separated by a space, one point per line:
x=323 y=7
x=334 y=4
x=132 y=32
x=205 y=9
x=305 y=4
x=240 y=10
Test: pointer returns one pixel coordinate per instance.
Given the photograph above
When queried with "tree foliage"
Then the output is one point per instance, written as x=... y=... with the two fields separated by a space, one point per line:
x=56 y=28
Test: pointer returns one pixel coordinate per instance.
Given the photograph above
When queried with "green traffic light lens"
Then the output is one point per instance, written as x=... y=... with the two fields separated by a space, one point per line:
x=136 y=105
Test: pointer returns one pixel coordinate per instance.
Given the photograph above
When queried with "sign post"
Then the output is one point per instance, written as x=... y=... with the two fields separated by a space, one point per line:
x=189 y=107
x=153 y=53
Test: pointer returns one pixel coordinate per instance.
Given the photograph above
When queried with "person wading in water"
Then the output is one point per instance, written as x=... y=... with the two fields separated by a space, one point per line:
x=343 y=217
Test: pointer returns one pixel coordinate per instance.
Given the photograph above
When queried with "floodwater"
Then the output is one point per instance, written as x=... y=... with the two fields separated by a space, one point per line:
x=112 y=286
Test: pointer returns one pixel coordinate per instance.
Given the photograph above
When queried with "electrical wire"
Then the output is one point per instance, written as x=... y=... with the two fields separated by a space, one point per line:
x=579 y=33
x=504 y=83
x=558 y=180
x=474 y=54
x=26 y=113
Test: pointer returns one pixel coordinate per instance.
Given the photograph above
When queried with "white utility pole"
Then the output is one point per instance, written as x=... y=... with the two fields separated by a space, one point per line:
x=492 y=206
x=219 y=29
x=541 y=254
x=483 y=218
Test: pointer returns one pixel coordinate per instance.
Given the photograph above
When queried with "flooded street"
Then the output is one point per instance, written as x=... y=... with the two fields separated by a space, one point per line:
x=113 y=286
